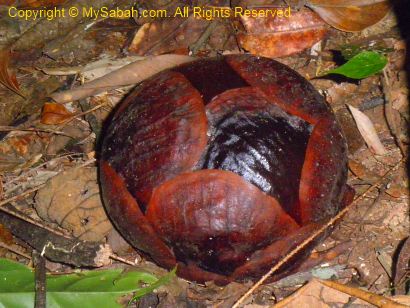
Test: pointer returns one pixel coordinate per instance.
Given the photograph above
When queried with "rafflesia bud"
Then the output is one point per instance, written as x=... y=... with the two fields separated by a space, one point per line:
x=221 y=166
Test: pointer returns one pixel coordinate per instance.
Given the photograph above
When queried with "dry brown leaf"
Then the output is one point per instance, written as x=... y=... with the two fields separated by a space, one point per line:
x=368 y=132
x=21 y=151
x=53 y=114
x=167 y=35
x=363 y=173
x=278 y=37
x=397 y=191
x=130 y=74
x=350 y=15
x=6 y=78
x=72 y=200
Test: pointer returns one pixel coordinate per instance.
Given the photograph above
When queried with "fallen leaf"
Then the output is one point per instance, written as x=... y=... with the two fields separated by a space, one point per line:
x=53 y=114
x=397 y=191
x=21 y=151
x=362 y=65
x=277 y=37
x=72 y=200
x=350 y=15
x=129 y=74
x=368 y=132
x=167 y=35
x=363 y=173
x=8 y=79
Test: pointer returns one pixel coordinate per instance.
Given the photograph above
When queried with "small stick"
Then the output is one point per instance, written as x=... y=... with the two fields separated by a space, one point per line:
x=34 y=130
x=204 y=36
x=27 y=192
x=34 y=222
x=117 y=258
x=77 y=115
x=58 y=248
x=14 y=250
x=24 y=217
x=39 y=280
x=374 y=299
x=310 y=239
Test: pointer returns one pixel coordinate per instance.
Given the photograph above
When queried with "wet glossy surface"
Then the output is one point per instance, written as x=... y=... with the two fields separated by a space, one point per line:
x=218 y=218
x=265 y=150
x=156 y=138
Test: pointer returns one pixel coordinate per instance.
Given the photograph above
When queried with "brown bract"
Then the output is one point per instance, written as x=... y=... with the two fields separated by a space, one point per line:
x=222 y=166
x=281 y=36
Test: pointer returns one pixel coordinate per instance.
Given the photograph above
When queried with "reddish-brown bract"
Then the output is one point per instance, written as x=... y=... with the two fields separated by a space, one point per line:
x=222 y=166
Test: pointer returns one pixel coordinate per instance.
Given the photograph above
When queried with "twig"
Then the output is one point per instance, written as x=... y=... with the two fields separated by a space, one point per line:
x=58 y=248
x=117 y=258
x=374 y=299
x=23 y=217
x=77 y=115
x=60 y=232
x=376 y=201
x=34 y=130
x=90 y=118
x=310 y=239
x=34 y=222
x=16 y=251
x=202 y=39
x=27 y=192
x=24 y=174
x=39 y=280
x=86 y=163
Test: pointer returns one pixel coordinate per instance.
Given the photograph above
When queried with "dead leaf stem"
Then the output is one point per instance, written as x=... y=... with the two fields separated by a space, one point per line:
x=16 y=129
x=14 y=250
x=374 y=299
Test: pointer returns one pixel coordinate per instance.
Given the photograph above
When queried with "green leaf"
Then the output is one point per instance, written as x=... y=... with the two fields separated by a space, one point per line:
x=86 y=289
x=362 y=65
x=160 y=282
